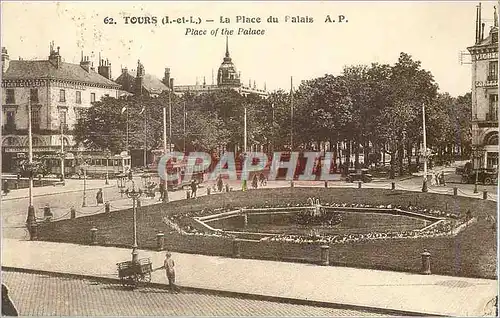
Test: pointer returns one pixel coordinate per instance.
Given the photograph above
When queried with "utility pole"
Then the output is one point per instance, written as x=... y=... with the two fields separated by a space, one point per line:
x=272 y=127
x=245 y=132
x=170 y=120
x=291 y=113
x=31 y=219
x=165 y=193
x=126 y=109
x=62 y=151
x=424 y=184
x=145 y=133
x=185 y=114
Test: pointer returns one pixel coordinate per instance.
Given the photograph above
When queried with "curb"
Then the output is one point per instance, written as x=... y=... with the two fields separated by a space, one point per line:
x=225 y=293
x=5 y=198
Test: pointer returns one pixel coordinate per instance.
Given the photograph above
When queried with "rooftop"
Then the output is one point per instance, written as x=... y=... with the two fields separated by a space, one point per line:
x=44 y=69
x=150 y=82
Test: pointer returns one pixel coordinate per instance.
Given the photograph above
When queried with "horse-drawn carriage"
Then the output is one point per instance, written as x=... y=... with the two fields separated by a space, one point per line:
x=131 y=273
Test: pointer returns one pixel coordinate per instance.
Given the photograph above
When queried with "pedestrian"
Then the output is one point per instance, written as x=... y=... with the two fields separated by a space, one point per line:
x=8 y=308
x=6 y=187
x=219 y=183
x=47 y=213
x=254 y=181
x=99 y=198
x=169 y=266
x=162 y=190
x=262 y=179
x=194 y=187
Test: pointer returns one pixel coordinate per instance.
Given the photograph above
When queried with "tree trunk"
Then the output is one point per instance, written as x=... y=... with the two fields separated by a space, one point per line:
x=366 y=153
x=400 y=159
x=391 y=174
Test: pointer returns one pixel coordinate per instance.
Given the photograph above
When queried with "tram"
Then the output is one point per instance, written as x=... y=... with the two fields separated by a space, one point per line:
x=97 y=165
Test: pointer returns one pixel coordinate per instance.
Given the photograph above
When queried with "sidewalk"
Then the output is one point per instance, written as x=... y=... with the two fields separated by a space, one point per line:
x=72 y=185
x=425 y=294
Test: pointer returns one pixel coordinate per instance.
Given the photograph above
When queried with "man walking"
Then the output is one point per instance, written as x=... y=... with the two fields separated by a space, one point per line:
x=99 y=197
x=168 y=265
x=194 y=187
x=162 y=190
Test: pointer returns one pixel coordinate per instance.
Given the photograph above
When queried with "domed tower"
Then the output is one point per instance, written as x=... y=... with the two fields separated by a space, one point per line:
x=227 y=75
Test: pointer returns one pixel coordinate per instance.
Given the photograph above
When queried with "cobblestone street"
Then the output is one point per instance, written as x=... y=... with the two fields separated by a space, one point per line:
x=43 y=295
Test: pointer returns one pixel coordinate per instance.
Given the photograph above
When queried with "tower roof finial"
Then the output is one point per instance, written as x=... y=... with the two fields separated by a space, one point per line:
x=227 y=46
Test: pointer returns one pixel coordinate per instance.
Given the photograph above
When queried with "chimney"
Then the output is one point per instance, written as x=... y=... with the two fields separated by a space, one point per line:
x=54 y=57
x=85 y=63
x=172 y=84
x=479 y=24
x=166 y=77
x=204 y=82
x=5 y=60
x=104 y=68
x=482 y=31
x=124 y=70
x=254 y=85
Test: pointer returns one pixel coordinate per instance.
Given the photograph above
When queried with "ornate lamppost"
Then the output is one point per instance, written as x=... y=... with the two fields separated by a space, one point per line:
x=84 y=166
x=134 y=195
x=426 y=155
x=107 y=153
x=476 y=153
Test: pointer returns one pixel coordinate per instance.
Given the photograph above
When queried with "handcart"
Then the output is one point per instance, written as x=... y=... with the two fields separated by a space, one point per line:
x=131 y=273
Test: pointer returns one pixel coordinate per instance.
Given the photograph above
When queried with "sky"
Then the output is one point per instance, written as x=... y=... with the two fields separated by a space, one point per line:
x=432 y=32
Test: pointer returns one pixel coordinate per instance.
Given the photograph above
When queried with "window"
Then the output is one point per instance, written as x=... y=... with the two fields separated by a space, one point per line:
x=62 y=96
x=11 y=99
x=10 y=125
x=62 y=118
x=35 y=119
x=494 y=37
x=493 y=108
x=34 y=95
x=493 y=71
x=92 y=97
x=78 y=97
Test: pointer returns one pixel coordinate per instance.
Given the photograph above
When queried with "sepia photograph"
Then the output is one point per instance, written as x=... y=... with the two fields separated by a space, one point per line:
x=249 y=158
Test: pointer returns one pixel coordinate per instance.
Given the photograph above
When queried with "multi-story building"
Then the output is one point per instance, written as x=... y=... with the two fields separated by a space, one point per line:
x=138 y=82
x=57 y=92
x=484 y=54
x=227 y=78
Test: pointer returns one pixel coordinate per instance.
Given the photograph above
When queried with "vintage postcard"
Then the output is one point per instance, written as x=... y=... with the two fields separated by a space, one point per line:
x=249 y=158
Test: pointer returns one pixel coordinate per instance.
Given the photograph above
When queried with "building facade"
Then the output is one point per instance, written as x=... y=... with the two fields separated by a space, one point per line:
x=57 y=92
x=137 y=82
x=227 y=78
x=484 y=55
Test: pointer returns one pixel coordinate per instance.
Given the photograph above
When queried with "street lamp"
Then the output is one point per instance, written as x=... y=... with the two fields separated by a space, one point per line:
x=424 y=182
x=476 y=152
x=107 y=154
x=84 y=166
x=62 y=151
x=134 y=195
x=31 y=219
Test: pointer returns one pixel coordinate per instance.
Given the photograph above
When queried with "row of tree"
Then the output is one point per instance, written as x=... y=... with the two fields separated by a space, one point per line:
x=367 y=109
